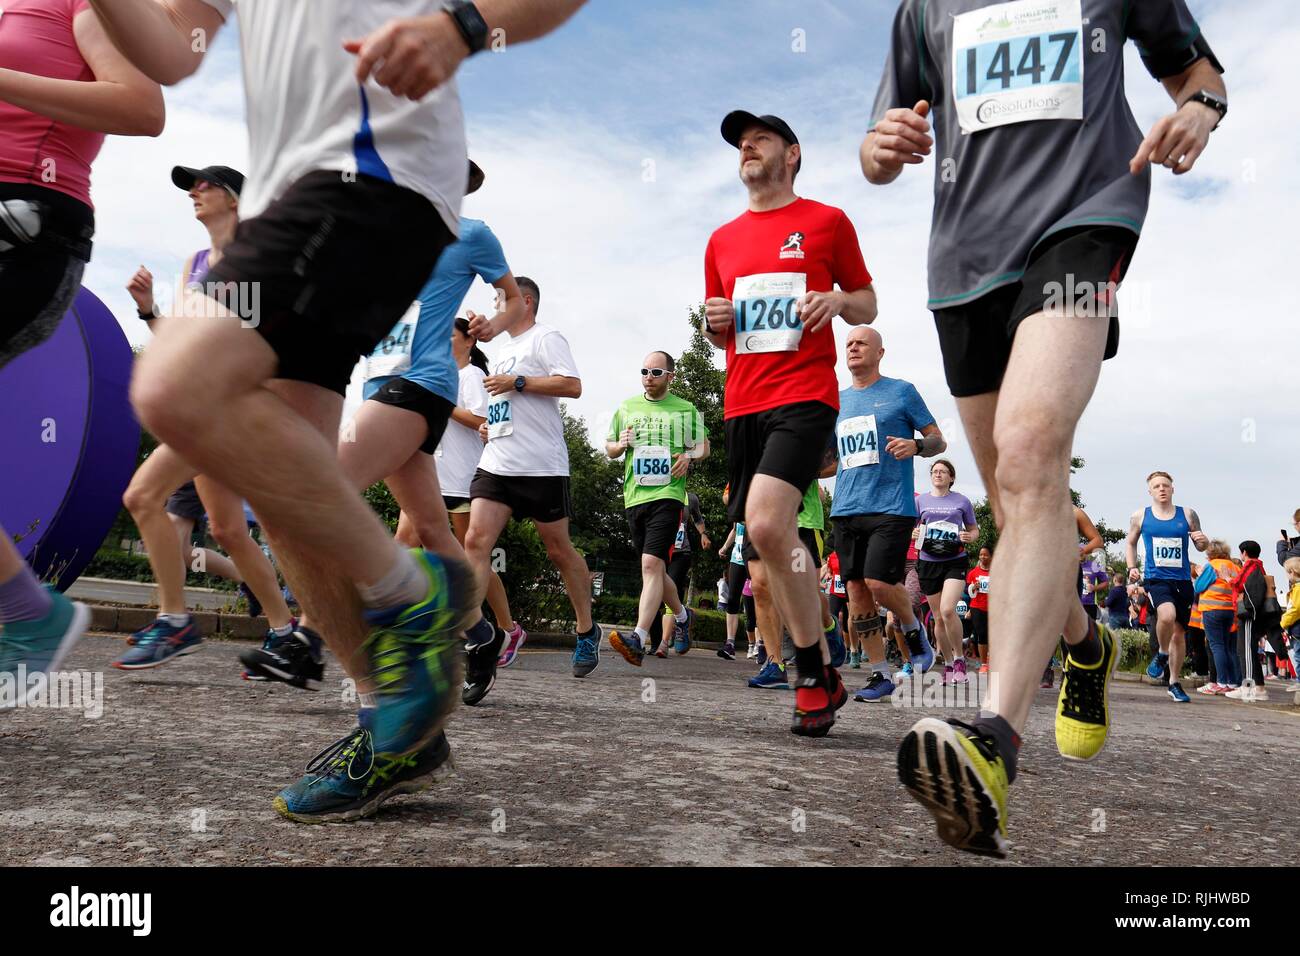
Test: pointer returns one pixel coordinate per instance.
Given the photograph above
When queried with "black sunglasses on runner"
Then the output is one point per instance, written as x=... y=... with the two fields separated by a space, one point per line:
x=654 y=372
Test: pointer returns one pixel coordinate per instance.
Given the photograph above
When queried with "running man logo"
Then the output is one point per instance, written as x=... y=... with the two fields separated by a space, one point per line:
x=793 y=248
x=73 y=910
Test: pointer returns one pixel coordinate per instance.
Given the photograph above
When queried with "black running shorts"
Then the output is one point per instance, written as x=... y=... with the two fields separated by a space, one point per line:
x=434 y=409
x=873 y=547
x=787 y=442
x=933 y=574
x=654 y=527
x=543 y=499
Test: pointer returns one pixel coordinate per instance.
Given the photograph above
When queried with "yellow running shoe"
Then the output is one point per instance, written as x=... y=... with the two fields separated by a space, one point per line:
x=958 y=775
x=1083 y=707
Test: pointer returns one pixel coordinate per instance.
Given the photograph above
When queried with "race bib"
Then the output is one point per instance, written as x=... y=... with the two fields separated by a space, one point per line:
x=680 y=541
x=939 y=531
x=652 y=466
x=837 y=585
x=738 y=545
x=500 y=421
x=392 y=356
x=982 y=584
x=1167 y=552
x=765 y=312
x=1014 y=62
x=859 y=441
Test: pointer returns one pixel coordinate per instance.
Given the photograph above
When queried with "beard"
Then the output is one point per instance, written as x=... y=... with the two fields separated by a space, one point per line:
x=772 y=173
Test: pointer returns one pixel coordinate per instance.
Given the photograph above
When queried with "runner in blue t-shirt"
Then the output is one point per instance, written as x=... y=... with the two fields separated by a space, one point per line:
x=874 y=510
x=1165 y=530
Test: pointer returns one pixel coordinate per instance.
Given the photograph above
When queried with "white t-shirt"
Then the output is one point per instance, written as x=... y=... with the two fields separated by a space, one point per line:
x=460 y=449
x=526 y=433
x=306 y=111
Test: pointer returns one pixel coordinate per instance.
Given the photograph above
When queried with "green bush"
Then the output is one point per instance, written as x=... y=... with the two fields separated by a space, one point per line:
x=709 y=626
x=124 y=566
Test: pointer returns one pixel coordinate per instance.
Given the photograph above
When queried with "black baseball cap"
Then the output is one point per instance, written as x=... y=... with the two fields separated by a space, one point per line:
x=737 y=121
x=185 y=177
x=476 y=177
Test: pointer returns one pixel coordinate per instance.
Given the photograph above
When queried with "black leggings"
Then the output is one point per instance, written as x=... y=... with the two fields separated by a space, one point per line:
x=679 y=569
x=36 y=287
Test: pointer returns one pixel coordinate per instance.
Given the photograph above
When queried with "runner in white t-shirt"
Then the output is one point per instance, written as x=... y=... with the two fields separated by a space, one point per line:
x=357 y=171
x=524 y=471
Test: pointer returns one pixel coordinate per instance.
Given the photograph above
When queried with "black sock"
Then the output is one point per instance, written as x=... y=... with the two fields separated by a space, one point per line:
x=481 y=633
x=1006 y=739
x=1088 y=650
x=809 y=662
x=913 y=640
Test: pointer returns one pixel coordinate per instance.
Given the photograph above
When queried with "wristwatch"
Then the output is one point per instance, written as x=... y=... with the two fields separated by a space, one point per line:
x=1212 y=100
x=519 y=383
x=473 y=28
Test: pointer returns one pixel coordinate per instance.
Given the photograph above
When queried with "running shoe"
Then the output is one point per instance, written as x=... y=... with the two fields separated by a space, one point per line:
x=586 y=655
x=984 y=668
x=682 y=633
x=158 y=644
x=415 y=658
x=348 y=780
x=947 y=674
x=815 y=703
x=482 y=651
x=959 y=776
x=514 y=644
x=254 y=605
x=629 y=646
x=1158 y=669
x=1211 y=689
x=1177 y=693
x=268 y=642
x=663 y=650
x=771 y=677
x=855 y=660
x=752 y=652
x=1083 y=705
x=959 y=675
x=835 y=644
x=39 y=646
x=296 y=660
x=1246 y=694
x=878 y=688
x=1048 y=678
x=905 y=672
x=918 y=647
x=727 y=651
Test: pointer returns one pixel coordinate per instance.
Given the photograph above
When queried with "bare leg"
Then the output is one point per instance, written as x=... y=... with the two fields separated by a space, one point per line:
x=770 y=625
x=230 y=528
x=146 y=497
x=977 y=415
x=947 y=624
x=770 y=525
x=487 y=519
x=863 y=612
x=1172 y=639
x=572 y=567
x=496 y=591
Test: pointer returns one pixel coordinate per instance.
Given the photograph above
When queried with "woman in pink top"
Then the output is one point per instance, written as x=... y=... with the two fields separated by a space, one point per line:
x=63 y=86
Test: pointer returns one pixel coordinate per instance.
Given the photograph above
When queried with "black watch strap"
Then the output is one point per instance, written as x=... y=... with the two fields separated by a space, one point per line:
x=1206 y=98
x=473 y=28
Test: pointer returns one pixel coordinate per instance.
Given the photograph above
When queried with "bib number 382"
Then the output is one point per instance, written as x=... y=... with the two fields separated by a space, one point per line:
x=1020 y=61
x=500 y=422
x=766 y=316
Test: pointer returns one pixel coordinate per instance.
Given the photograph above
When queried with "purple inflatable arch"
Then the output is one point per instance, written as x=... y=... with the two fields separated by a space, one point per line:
x=68 y=441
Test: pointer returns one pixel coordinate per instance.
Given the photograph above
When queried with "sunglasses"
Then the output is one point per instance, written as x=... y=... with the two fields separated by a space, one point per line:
x=654 y=372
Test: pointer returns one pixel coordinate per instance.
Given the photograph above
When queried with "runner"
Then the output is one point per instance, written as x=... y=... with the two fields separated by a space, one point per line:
x=352 y=176
x=691 y=534
x=947 y=526
x=524 y=471
x=769 y=280
x=1025 y=311
x=837 y=599
x=874 y=511
x=158 y=488
x=63 y=87
x=413 y=395
x=658 y=434
x=1165 y=530
x=977 y=587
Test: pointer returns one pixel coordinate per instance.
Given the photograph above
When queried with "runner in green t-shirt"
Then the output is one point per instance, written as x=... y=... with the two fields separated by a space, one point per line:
x=659 y=433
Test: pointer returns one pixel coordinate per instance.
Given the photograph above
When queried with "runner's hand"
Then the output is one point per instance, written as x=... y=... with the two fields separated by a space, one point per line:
x=681 y=465
x=818 y=308
x=902 y=137
x=719 y=315
x=966 y=537
x=705 y=543
x=722 y=552
x=916 y=533
x=483 y=433
x=625 y=440
x=1200 y=539
x=481 y=327
x=412 y=56
x=1176 y=141
x=901 y=448
x=1134 y=575
x=141 y=289
x=499 y=384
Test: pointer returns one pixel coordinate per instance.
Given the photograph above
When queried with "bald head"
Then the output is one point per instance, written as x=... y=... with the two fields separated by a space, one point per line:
x=863 y=352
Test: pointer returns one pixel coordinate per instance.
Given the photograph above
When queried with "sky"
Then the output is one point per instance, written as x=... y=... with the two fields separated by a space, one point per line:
x=606 y=175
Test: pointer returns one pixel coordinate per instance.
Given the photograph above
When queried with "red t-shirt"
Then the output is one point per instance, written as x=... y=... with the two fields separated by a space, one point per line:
x=913 y=553
x=806 y=237
x=36 y=37
x=980 y=601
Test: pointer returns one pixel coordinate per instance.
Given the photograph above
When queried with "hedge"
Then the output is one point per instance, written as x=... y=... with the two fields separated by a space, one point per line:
x=709 y=626
x=123 y=566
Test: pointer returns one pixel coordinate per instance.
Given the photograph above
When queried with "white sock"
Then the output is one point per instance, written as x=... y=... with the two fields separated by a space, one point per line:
x=642 y=634
x=681 y=618
x=175 y=620
x=283 y=631
x=405 y=583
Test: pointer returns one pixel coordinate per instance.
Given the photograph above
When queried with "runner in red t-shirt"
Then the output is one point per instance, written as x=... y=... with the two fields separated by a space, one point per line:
x=770 y=278
x=977 y=586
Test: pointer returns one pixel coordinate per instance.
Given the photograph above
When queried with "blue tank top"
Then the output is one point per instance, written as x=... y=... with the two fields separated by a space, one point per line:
x=1166 y=542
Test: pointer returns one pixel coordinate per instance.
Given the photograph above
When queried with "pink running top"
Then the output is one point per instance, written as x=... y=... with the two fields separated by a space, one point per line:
x=36 y=37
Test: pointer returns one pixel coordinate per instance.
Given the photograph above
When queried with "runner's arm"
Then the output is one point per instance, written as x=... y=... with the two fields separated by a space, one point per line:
x=165 y=39
x=1178 y=139
x=1092 y=537
x=930 y=444
x=731 y=539
x=1130 y=542
x=120 y=101
x=1198 y=537
x=557 y=386
x=463 y=416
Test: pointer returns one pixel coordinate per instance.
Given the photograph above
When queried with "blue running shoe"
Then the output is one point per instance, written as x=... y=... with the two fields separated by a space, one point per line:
x=771 y=677
x=158 y=644
x=416 y=660
x=835 y=644
x=682 y=633
x=629 y=645
x=906 y=672
x=348 y=781
x=586 y=655
x=918 y=646
x=878 y=688
x=1177 y=693
x=1158 y=669
x=39 y=647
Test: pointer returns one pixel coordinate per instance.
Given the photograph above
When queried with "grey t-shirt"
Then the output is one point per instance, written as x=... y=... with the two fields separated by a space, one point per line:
x=1000 y=190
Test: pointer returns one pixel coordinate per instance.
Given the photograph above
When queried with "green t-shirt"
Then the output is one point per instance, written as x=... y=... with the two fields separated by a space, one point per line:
x=662 y=430
x=812 y=513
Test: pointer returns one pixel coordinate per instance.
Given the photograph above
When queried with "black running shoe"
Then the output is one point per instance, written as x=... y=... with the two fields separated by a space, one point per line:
x=481 y=667
x=295 y=660
x=815 y=703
